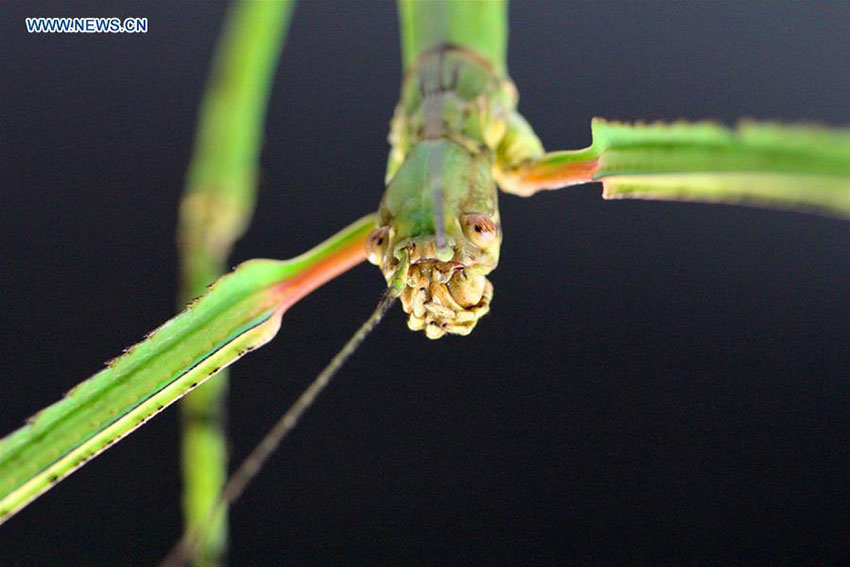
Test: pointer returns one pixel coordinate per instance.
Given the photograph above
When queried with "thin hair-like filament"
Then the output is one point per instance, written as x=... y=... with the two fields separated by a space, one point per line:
x=254 y=462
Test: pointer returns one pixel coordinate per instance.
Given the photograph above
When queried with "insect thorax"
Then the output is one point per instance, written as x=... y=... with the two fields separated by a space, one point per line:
x=454 y=93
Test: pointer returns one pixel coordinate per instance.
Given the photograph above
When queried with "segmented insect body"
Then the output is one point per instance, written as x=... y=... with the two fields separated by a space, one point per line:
x=452 y=134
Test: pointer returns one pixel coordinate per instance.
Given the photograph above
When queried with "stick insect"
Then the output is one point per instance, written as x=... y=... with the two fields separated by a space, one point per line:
x=480 y=330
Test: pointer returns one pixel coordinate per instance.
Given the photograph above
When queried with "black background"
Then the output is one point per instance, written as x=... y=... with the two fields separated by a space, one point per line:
x=655 y=381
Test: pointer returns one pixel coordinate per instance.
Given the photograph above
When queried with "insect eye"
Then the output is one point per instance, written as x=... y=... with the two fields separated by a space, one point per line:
x=376 y=244
x=479 y=229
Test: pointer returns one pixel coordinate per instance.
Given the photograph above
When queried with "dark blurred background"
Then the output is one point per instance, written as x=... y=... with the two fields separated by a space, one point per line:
x=655 y=381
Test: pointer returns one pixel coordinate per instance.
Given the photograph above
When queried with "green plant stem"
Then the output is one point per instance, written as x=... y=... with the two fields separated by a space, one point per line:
x=217 y=207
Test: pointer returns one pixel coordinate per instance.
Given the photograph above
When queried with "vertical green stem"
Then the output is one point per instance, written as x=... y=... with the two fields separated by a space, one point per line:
x=216 y=209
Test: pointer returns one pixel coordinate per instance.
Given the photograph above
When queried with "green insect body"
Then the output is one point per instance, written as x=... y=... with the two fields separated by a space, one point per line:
x=456 y=136
x=453 y=133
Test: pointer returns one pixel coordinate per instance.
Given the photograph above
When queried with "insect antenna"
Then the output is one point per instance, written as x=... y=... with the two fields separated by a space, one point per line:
x=186 y=547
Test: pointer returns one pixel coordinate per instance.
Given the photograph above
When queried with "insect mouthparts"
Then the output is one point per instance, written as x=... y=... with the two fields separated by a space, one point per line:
x=445 y=301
